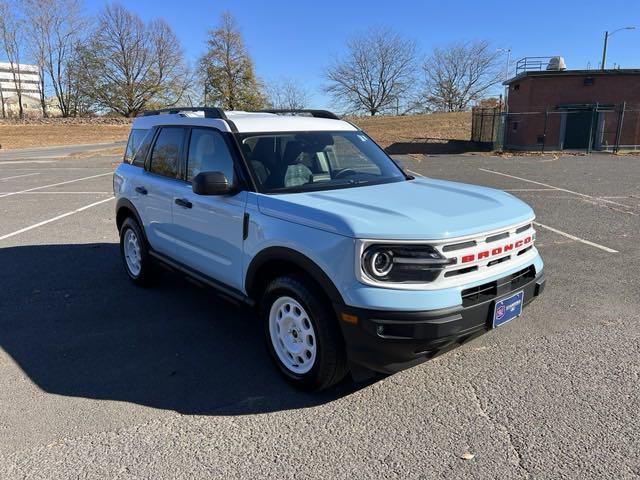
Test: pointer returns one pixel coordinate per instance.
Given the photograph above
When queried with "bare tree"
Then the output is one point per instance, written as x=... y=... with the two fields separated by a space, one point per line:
x=286 y=93
x=227 y=70
x=459 y=74
x=128 y=65
x=11 y=39
x=376 y=72
x=55 y=28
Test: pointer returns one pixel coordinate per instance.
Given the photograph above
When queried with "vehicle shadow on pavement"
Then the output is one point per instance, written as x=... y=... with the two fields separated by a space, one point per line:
x=75 y=324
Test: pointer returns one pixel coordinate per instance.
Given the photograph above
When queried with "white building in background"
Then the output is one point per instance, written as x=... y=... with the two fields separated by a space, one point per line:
x=27 y=78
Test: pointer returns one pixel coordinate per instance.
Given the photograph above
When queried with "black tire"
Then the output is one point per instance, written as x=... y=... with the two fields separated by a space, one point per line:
x=147 y=272
x=330 y=364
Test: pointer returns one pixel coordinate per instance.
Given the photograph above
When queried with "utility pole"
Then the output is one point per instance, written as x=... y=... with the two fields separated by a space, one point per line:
x=606 y=41
x=604 y=50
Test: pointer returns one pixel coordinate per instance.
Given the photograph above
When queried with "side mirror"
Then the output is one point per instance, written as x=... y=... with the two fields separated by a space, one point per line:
x=211 y=183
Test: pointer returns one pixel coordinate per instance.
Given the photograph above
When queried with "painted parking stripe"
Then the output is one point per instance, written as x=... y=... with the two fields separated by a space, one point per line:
x=577 y=239
x=62 y=193
x=584 y=195
x=54 y=184
x=414 y=173
x=19 y=176
x=15 y=162
x=529 y=189
x=64 y=215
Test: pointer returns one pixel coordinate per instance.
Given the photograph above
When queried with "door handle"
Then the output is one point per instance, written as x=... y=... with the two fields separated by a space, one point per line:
x=183 y=203
x=141 y=190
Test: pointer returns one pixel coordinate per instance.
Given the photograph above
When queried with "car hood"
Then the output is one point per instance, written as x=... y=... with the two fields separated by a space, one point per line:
x=417 y=209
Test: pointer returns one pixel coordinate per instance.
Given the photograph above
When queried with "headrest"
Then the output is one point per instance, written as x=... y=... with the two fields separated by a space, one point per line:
x=292 y=152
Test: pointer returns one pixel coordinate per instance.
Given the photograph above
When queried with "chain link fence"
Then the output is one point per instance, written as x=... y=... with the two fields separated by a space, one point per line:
x=585 y=127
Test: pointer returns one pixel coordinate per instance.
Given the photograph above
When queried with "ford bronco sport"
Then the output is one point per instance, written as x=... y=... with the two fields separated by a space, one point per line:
x=352 y=263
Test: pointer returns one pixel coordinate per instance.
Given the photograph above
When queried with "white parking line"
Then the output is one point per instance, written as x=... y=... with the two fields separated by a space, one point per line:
x=19 y=176
x=55 y=184
x=39 y=224
x=529 y=189
x=577 y=239
x=12 y=162
x=60 y=193
x=584 y=195
x=414 y=173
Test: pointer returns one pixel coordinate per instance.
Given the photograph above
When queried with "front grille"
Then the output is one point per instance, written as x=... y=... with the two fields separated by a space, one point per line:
x=491 y=251
x=490 y=290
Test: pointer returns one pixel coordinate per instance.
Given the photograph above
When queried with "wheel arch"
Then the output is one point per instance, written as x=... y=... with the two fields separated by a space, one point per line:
x=274 y=261
x=125 y=209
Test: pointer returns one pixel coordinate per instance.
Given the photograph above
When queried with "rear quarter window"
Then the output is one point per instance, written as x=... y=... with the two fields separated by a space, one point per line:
x=136 y=138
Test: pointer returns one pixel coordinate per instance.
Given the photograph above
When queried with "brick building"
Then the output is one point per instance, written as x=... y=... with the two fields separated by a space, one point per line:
x=573 y=109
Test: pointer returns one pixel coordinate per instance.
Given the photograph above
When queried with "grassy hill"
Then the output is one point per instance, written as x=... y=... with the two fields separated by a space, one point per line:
x=386 y=130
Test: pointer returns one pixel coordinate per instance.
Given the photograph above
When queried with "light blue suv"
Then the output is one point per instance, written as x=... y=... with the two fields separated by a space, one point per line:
x=352 y=264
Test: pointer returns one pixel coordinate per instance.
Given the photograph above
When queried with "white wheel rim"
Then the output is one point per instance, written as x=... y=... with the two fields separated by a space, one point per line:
x=132 y=253
x=292 y=335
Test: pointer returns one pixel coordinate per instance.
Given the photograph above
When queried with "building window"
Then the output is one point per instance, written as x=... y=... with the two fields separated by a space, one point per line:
x=514 y=126
x=588 y=81
x=516 y=86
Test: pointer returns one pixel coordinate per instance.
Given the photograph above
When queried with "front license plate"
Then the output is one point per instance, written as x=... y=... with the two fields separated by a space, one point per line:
x=507 y=309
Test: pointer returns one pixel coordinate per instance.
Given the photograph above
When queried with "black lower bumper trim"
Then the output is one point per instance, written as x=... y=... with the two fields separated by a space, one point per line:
x=390 y=341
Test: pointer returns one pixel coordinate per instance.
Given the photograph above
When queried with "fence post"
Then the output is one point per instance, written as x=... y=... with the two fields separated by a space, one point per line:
x=481 y=124
x=590 y=141
x=619 y=128
x=493 y=124
x=544 y=132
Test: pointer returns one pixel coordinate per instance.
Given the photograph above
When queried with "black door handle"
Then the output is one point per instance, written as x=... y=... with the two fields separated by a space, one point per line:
x=141 y=190
x=183 y=203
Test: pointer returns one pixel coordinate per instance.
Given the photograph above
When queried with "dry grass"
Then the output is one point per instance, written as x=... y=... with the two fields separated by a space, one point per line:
x=24 y=136
x=386 y=130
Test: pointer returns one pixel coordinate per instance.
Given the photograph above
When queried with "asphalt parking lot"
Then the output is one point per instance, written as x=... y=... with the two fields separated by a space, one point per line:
x=101 y=379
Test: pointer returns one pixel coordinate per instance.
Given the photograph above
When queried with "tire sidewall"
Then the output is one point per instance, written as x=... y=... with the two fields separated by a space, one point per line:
x=131 y=224
x=315 y=314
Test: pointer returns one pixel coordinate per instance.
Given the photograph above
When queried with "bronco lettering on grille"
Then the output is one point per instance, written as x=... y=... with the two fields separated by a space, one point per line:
x=496 y=250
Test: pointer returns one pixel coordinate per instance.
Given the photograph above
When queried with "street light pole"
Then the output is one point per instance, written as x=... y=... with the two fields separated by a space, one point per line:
x=506 y=69
x=506 y=76
x=606 y=41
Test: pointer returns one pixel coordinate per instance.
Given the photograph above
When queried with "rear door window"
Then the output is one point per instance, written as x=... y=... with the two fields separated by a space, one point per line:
x=165 y=156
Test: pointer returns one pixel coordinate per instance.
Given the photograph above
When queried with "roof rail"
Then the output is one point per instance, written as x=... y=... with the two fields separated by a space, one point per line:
x=209 y=112
x=313 y=113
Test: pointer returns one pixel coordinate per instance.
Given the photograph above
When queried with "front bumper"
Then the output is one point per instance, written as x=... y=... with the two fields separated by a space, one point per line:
x=390 y=341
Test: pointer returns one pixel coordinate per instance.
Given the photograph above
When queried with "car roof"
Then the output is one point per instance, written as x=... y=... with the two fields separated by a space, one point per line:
x=245 y=122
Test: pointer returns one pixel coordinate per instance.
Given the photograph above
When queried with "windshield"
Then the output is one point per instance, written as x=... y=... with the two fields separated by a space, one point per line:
x=300 y=161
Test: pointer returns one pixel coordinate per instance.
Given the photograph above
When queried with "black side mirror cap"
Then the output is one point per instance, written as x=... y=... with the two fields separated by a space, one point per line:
x=211 y=183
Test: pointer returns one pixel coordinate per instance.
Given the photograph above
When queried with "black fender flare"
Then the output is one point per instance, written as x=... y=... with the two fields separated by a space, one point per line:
x=123 y=203
x=299 y=260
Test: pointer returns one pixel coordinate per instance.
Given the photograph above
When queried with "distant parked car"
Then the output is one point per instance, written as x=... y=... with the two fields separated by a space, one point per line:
x=350 y=261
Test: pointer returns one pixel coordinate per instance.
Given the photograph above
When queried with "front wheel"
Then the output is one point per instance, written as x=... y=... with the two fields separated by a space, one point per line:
x=302 y=334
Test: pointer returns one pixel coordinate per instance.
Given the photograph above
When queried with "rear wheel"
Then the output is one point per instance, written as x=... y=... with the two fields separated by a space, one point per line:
x=134 y=251
x=302 y=334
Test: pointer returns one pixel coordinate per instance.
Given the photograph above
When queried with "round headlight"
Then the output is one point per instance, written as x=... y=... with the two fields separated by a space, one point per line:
x=380 y=263
x=399 y=263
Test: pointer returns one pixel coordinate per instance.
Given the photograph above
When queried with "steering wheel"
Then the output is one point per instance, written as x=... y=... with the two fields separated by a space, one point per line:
x=345 y=173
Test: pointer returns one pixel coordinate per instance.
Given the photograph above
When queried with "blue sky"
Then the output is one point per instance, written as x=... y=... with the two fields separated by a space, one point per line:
x=298 y=38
